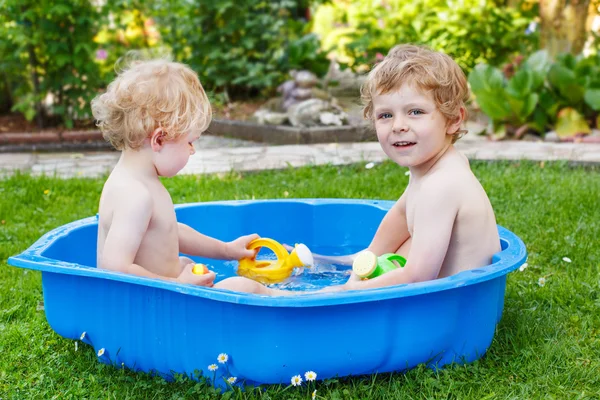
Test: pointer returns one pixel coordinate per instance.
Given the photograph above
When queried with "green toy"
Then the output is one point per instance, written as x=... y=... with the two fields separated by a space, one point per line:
x=367 y=265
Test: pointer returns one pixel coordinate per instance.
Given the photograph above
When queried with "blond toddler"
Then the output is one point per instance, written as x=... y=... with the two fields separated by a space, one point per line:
x=153 y=112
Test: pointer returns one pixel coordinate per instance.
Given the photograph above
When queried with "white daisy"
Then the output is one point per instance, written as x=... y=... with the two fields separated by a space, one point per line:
x=101 y=352
x=231 y=380
x=222 y=358
x=407 y=173
x=213 y=367
x=370 y=165
x=542 y=281
x=82 y=336
x=566 y=259
x=310 y=375
x=314 y=395
x=296 y=380
x=522 y=267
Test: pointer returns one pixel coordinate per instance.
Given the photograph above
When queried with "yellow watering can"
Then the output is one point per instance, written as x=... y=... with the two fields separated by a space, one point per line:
x=274 y=271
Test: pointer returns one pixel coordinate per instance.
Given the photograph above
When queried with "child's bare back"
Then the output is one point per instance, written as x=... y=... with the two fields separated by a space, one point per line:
x=129 y=198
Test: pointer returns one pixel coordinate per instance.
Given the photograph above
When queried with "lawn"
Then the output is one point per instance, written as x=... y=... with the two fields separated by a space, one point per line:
x=546 y=346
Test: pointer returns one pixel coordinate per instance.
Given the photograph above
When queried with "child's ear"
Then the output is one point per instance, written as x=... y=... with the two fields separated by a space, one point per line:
x=454 y=126
x=157 y=139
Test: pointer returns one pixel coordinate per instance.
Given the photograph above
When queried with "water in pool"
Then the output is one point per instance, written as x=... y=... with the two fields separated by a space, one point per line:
x=317 y=277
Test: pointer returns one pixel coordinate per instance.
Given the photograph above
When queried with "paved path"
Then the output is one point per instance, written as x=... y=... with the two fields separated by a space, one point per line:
x=216 y=154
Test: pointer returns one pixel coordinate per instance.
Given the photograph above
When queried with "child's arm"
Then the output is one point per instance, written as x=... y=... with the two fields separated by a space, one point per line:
x=435 y=212
x=194 y=243
x=391 y=234
x=393 y=229
x=128 y=227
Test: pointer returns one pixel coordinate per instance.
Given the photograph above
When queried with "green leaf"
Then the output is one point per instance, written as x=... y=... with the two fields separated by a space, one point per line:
x=540 y=120
x=570 y=123
x=592 y=98
x=496 y=107
x=563 y=79
x=521 y=83
x=485 y=78
x=539 y=61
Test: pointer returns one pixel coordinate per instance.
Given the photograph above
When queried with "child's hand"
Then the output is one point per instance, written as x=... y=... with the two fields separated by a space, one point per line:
x=187 y=276
x=237 y=249
x=353 y=282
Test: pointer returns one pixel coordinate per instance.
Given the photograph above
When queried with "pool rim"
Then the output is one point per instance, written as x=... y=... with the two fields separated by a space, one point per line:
x=503 y=262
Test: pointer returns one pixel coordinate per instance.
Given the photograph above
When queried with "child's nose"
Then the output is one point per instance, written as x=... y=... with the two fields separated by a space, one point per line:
x=399 y=126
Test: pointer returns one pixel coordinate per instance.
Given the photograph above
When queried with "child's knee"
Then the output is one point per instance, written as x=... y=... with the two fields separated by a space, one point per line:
x=241 y=284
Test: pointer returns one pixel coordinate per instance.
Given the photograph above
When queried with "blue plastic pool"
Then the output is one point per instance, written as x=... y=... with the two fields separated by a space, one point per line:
x=153 y=325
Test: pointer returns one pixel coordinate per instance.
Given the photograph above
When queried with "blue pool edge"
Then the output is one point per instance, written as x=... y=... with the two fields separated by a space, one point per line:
x=507 y=260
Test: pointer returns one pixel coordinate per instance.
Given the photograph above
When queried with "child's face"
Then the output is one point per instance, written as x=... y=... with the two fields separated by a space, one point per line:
x=173 y=155
x=410 y=128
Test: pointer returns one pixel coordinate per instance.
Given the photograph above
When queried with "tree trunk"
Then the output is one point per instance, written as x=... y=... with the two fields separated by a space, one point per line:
x=563 y=25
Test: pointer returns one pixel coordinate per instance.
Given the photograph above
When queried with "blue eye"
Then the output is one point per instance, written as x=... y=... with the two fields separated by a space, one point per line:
x=416 y=112
x=384 y=115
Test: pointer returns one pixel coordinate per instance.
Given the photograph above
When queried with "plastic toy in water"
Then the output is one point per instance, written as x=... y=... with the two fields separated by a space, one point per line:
x=200 y=269
x=274 y=271
x=367 y=265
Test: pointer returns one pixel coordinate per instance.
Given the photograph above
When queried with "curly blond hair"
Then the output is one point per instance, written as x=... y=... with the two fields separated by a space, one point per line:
x=429 y=70
x=148 y=95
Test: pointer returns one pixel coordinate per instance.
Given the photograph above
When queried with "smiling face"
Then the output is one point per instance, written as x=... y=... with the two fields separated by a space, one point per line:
x=410 y=128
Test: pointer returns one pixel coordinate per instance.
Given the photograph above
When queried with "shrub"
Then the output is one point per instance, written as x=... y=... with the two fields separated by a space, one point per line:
x=563 y=95
x=470 y=31
x=54 y=42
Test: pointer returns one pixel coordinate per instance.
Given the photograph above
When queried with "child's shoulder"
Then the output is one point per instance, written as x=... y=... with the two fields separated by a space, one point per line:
x=123 y=189
x=450 y=178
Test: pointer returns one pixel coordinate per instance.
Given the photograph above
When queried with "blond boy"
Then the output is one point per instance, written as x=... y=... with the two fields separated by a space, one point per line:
x=153 y=112
x=443 y=223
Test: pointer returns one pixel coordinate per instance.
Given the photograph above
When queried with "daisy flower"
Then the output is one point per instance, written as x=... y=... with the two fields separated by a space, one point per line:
x=310 y=375
x=522 y=267
x=370 y=165
x=566 y=259
x=222 y=358
x=296 y=380
x=82 y=336
x=231 y=380
x=213 y=367
x=542 y=281
x=101 y=352
x=314 y=395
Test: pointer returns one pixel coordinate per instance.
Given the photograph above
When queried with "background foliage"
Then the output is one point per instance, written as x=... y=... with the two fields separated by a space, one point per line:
x=541 y=94
x=471 y=31
x=55 y=56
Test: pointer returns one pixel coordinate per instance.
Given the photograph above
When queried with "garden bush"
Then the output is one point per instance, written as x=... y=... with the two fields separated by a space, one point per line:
x=471 y=31
x=538 y=94
x=46 y=49
x=243 y=48
x=56 y=56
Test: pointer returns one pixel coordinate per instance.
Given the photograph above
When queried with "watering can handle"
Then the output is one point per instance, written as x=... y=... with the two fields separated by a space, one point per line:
x=280 y=251
x=397 y=257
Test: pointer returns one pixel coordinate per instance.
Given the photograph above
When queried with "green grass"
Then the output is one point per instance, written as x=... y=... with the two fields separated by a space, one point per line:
x=546 y=346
